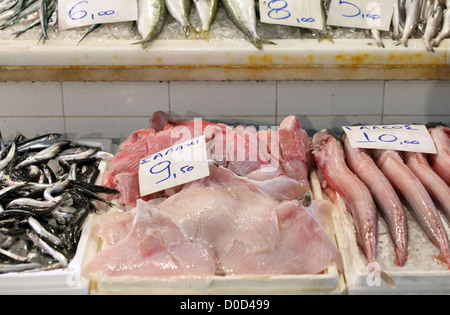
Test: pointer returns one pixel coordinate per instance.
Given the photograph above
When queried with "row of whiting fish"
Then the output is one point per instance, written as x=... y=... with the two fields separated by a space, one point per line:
x=431 y=18
x=371 y=180
x=47 y=190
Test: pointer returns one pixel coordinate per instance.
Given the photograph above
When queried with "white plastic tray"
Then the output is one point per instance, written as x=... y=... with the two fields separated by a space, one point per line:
x=420 y=275
x=60 y=281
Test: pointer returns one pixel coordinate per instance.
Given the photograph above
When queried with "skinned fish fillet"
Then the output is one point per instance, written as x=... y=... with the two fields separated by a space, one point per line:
x=233 y=223
x=330 y=159
x=403 y=179
x=361 y=163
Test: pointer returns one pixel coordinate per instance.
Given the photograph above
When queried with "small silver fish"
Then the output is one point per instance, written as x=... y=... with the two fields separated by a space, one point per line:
x=243 y=15
x=412 y=17
x=47 y=248
x=40 y=230
x=43 y=155
x=151 y=20
x=434 y=21
x=445 y=31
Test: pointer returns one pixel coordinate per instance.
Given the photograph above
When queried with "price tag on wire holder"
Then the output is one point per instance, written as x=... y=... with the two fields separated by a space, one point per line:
x=179 y=164
x=77 y=13
x=365 y=14
x=307 y=14
x=413 y=138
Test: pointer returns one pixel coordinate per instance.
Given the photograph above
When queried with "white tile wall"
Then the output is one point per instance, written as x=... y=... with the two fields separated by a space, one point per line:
x=115 y=109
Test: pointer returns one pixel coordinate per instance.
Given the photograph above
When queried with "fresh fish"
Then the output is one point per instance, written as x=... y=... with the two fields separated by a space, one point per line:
x=440 y=162
x=207 y=10
x=44 y=155
x=243 y=15
x=12 y=256
x=45 y=12
x=376 y=34
x=412 y=17
x=445 y=31
x=6 y=268
x=151 y=20
x=330 y=159
x=361 y=163
x=396 y=17
x=47 y=248
x=11 y=13
x=435 y=185
x=403 y=179
x=48 y=139
x=83 y=154
x=434 y=22
x=36 y=206
x=40 y=230
x=181 y=10
x=9 y=157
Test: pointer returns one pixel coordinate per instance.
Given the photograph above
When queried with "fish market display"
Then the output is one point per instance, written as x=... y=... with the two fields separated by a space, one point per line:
x=47 y=190
x=336 y=176
x=247 y=217
x=426 y=19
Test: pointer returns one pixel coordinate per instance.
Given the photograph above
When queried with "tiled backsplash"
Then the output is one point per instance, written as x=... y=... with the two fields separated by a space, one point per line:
x=115 y=109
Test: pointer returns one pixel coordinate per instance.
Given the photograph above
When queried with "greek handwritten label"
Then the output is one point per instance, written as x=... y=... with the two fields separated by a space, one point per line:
x=367 y=14
x=76 y=13
x=414 y=138
x=307 y=14
x=179 y=164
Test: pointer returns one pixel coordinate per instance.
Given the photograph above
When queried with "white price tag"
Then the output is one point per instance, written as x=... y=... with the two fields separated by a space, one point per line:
x=76 y=13
x=307 y=14
x=414 y=138
x=179 y=164
x=367 y=14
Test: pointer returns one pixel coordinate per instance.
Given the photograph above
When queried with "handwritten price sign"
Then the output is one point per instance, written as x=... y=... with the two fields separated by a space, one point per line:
x=414 y=138
x=179 y=164
x=366 y=14
x=307 y=14
x=76 y=13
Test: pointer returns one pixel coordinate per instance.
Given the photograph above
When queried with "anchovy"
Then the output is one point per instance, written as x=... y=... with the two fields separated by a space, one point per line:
x=243 y=15
x=13 y=257
x=84 y=154
x=376 y=34
x=44 y=155
x=40 y=230
x=90 y=30
x=403 y=179
x=36 y=206
x=412 y=17
x=434 y=21
x=58 y=187
x=9 y=157
x=7 y=268
x=47 y=248
x=180 y=10
x=151 y=20
x=207 y=10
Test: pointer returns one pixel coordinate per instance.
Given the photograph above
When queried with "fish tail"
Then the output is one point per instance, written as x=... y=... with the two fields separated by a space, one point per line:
x=189 y=30
x=203 y=33
x=259 y=42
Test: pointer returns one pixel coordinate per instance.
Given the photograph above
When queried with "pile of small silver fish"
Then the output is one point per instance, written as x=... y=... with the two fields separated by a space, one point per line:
x=429 y=19
x=47 y=190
